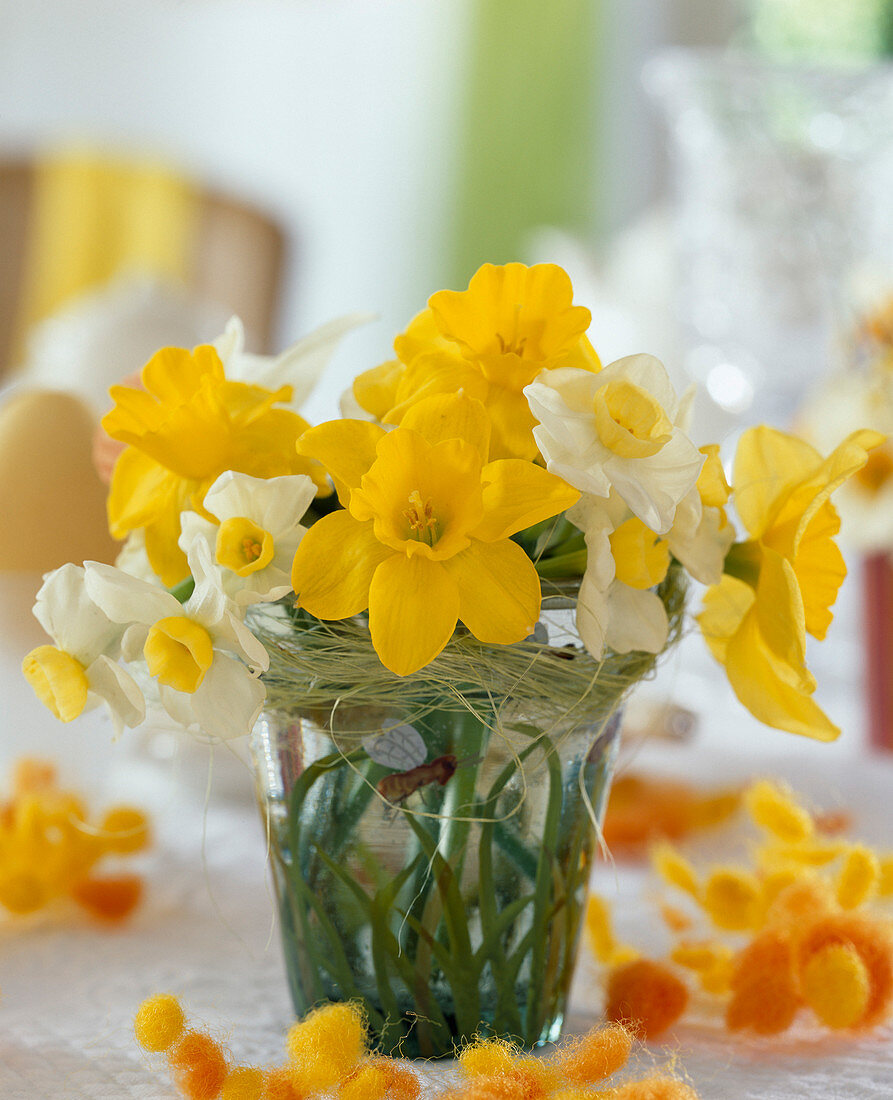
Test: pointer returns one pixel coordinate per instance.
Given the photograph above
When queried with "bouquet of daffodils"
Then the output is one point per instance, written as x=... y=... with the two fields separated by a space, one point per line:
x=494 y=458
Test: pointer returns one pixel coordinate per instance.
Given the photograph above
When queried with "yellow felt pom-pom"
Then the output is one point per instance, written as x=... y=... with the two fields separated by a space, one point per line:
x=674 y=869
x=597 y=1055
x=198 y=1066
x=22 y=893
x=885 y=882
x=733 y=900
x=600 y=934
x=327 y=1045
x=369 y=1082
x=773 y=807
x=486 y=1057
x=159 y=1022
x=124 y=830
x=244 y=1083
x=836 y=984
x=858 y=878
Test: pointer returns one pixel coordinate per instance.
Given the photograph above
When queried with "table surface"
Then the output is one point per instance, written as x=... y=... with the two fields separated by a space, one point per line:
x=207 y=933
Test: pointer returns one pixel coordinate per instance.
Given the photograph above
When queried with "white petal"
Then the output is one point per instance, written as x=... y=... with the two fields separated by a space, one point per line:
x=276 y=504
x=119 y=691
x=301 y=365
x=232 y=634
x=592 y=616
x=230 y=344
x=703 y=552
x=65 y=610
x=133 y=641
x=647 y=372
x=127 y=599
x=192 y=527
x=229 y=700
x=208 y=603
x=653 y=486
x=637 y=620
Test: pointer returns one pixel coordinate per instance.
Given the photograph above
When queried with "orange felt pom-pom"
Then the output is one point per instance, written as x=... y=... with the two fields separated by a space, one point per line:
x=198 y=1066
x=244 y=1083
x=598 y=1054
x=402 y=1082
x=159 y=1022
x=655 y=1088
x=111 y=898
x=280 y=1085
x=765 y=997
x=369 y=1082
x=872 y=939
x=647 y=996
x=515 y=1084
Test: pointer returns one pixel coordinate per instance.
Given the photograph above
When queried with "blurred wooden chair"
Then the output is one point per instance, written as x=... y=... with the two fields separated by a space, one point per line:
x=224 y=253
x=233 y=257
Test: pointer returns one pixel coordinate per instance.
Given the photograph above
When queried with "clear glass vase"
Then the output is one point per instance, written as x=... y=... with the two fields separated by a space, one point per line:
x=447 y=898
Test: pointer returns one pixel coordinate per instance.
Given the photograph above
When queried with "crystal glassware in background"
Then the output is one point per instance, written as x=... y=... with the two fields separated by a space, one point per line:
x=781 y=180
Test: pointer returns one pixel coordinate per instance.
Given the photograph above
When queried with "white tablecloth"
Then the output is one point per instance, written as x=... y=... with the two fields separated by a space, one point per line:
x=206 y=932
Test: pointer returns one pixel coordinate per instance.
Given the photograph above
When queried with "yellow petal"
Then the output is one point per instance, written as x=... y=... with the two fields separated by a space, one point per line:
x=375 y=390
x=845 y=460
x=334 y=564
x=346 y=448
x=174 y=374
x=713 y=488
x=420 y=335
x=59 y=681
x=178 y=652
x=512 y=308
x=755 y=679
x=782 y=623
x=512 y=424
x=499 y=591
x=820 y=569
x=725 y=605
x=413 y=608
x=437 y=372
x=451 y=416
x=140 y=489
x=767 y=461
x=518 y=494
x=641 y=557
x=423 y=499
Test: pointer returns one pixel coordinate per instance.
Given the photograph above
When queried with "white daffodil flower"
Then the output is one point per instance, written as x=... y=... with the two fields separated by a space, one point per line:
x=616 y=607
x=299 y=366
x=617 y=429
x=80 y=671
x=205 y=659
x=258 y=532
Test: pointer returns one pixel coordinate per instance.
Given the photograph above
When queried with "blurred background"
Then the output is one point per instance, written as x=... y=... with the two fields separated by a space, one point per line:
x=714 y=174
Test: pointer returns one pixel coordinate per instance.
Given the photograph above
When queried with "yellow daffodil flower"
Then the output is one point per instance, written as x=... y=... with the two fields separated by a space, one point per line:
x=424 y=537
x=490 y=341
x=183 y=429
x=781 y=583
